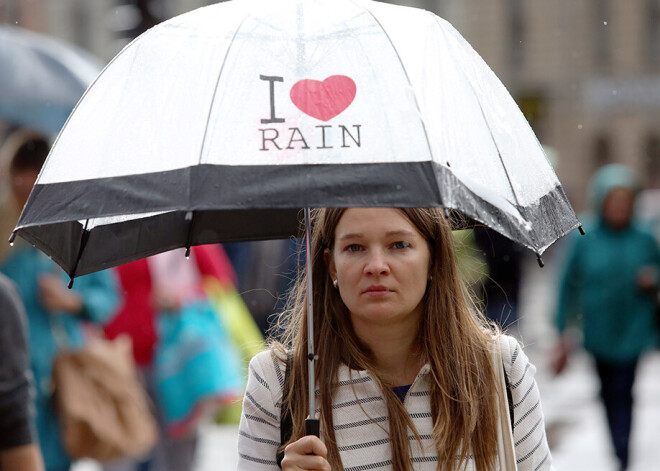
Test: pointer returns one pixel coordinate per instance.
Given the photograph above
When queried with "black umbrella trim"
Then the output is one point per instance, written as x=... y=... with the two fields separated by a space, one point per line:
x=233 y=203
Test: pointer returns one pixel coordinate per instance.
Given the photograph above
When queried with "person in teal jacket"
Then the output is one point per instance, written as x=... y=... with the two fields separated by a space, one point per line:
x=608 y=285
x=56 y=315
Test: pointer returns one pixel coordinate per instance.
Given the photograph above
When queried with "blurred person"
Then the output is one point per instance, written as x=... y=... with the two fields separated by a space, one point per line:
x=501 y=287
x=159 y=286
x=56 y=315
x=19 y=449
x=608 y=284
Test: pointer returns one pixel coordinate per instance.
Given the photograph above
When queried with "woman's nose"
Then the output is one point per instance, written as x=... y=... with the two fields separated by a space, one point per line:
x=377 y=263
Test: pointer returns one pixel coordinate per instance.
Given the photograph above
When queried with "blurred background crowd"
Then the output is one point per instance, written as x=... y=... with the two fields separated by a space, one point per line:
x=586 y=74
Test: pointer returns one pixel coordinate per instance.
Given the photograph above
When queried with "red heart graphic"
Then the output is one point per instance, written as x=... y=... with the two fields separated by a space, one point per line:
x=323 y=100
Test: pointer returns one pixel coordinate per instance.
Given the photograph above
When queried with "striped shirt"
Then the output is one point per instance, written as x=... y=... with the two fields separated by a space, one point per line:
x=360 y=417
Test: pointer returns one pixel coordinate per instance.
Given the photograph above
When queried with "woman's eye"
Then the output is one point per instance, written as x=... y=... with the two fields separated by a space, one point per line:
x=354 y=248
x=401 y=244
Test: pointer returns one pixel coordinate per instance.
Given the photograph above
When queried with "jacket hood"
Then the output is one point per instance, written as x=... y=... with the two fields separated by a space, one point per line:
x=9 y=212
x=606 y=179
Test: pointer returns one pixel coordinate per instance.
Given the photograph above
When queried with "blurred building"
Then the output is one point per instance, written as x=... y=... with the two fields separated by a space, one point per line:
x=86 y=23
x=103 y=27
x=586 y=73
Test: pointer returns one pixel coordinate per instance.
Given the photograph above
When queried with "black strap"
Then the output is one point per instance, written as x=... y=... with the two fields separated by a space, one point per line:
x=286 y=422
x=509 y=396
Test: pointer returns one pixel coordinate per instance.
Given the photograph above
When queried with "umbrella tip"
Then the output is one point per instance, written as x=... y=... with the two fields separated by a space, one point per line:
x=70 y=285
x=580 y=229
x=540 y=260
x=188 y=253
x=11 y=238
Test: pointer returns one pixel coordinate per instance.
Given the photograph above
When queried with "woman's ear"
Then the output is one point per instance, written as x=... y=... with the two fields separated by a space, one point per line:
x=330 y=263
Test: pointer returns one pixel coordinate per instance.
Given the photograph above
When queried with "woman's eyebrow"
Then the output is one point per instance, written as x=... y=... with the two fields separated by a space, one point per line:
x=401 y=232
x=357 y=235
x=350 y=235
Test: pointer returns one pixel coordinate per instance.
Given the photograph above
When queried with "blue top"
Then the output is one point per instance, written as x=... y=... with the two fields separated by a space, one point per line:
x=401 y=391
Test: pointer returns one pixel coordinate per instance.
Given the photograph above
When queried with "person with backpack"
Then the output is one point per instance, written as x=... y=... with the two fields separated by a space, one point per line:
x=408 y=374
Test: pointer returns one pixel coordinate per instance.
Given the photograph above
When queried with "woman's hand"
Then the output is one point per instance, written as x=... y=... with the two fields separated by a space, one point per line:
x=647 y=278
x=56 y=297
x=559 y=356
x=165 y=301
x=309 y=453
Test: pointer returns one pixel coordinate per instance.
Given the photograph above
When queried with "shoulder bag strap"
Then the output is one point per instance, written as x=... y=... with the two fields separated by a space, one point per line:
x=509 y=397
x=506 y=452
x=286 y=423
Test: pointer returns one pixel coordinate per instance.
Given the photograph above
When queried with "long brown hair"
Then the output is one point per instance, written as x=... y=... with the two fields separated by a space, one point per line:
x=454 y=339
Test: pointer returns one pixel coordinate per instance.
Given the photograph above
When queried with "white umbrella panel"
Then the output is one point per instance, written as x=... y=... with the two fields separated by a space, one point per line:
x=222 y=123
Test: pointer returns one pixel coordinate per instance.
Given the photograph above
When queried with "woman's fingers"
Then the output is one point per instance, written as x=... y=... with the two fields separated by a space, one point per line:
x=306 y=463
x=310 y=445
x=308 y=453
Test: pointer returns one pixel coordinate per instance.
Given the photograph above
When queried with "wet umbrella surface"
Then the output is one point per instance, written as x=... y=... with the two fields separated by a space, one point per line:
x=222 y=123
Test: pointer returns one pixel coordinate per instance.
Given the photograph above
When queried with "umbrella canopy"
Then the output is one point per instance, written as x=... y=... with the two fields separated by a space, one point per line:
x=222 y=123
x=42 y=79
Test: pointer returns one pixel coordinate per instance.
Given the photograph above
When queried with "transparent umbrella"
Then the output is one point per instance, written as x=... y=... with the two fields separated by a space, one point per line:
x=222 y=123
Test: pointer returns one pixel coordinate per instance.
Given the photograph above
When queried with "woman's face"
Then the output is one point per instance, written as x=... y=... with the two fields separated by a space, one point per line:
x=618 y=208
x=381 y=263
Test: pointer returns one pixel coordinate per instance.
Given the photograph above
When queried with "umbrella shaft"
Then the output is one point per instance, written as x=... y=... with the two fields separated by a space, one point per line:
x=310 y=317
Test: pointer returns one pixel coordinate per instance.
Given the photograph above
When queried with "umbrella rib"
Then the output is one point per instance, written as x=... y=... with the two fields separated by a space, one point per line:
x=499 y=154
x=492 y=137
x=405 y=72
x=208 y=117
x=215 y=90
x=83 y=242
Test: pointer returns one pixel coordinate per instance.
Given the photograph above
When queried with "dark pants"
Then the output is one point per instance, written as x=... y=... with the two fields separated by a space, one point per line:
x=617 y=381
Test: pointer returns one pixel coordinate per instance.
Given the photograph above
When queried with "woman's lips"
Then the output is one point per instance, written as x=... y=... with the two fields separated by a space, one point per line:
x=376 y=291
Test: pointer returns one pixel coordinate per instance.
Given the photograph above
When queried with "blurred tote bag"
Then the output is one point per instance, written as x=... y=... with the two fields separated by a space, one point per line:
x=196 y=366
x=103 y=409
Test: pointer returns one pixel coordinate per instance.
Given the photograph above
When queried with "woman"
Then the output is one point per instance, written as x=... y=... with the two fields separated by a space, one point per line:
x=155 y=291
x=404 y=372
x=610 y=279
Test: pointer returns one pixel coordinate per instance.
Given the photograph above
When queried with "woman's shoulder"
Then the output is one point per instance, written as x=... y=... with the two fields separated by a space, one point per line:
x=275 y=353
x=269 y=366
x=516 y=363
x=508 y=346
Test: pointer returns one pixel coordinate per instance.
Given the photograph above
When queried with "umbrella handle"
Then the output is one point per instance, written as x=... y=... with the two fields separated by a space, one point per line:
x=311 y=387
x=313 y=427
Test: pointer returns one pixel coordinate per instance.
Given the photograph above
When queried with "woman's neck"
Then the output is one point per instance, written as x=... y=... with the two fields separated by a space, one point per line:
x=396 y=351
